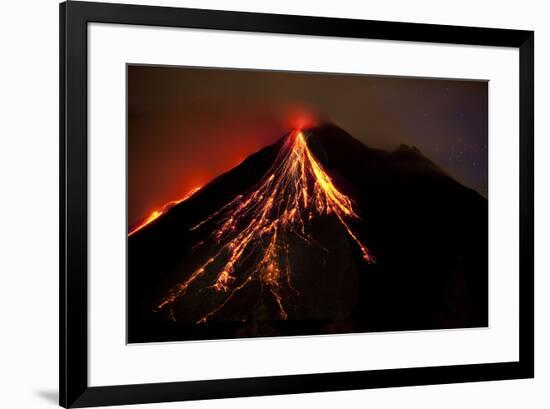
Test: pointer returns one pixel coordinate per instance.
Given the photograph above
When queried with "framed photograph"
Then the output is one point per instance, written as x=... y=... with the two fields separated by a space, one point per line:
x=256 y=204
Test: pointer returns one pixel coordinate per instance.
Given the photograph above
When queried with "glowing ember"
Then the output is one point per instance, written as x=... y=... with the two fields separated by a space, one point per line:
x=157 y=213
x=257 y=224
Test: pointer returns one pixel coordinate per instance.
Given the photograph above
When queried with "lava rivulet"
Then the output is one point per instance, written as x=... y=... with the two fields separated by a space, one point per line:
x=257 y=225
x=157 y=213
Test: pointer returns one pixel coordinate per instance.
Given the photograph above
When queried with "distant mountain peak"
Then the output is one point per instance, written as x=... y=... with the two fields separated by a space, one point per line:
x=408 y=149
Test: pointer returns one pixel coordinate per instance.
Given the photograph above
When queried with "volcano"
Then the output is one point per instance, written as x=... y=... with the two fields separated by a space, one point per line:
x=314 y=234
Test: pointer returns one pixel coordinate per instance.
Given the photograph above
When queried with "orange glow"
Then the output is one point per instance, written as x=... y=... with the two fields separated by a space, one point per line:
x=157 y=213
x=300 y=117
x=294 y=191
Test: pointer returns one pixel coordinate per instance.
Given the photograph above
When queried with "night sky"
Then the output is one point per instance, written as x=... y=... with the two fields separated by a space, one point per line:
x=188 y=125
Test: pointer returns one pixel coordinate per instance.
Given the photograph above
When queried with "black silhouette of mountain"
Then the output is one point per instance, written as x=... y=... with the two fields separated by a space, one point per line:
x=428 y=233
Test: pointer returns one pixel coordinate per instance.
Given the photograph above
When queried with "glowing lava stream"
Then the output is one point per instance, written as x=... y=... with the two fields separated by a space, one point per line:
x=157 y=213
x=294 y=191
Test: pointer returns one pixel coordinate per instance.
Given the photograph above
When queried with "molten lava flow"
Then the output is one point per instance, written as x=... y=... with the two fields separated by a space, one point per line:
x=257 y=224
x=157 y=213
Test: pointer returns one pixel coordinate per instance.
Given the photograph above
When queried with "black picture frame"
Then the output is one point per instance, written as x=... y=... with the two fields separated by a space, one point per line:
x=73 y=379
